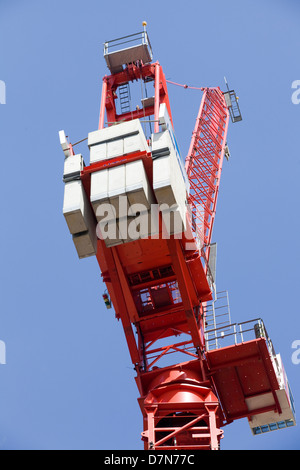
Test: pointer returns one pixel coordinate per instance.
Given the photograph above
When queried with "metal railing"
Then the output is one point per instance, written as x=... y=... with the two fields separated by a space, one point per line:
x=236 y=333
x=217 y=317
x=125 y=42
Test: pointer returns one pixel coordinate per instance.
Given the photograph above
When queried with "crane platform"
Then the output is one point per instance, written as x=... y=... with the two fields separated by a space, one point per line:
x=251 y=382
x=128 y=49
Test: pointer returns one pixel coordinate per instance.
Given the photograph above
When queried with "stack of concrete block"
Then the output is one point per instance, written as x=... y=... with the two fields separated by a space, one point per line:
x=77 y=210
x=169 y=183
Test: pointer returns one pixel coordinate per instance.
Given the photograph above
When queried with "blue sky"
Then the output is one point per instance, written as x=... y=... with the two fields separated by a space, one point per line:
x=68 y=382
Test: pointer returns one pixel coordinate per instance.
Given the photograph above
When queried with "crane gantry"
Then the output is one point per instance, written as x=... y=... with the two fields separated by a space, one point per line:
x=148 y=220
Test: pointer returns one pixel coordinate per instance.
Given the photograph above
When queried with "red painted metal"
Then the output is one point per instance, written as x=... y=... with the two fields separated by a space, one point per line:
x=247 y=371
x=204 y=163
x=132 y=73
x=180 y=411
x=158 y=287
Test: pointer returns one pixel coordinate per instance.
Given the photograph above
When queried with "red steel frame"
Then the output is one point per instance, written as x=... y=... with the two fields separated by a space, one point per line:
x=131 y=73
x=157 y=286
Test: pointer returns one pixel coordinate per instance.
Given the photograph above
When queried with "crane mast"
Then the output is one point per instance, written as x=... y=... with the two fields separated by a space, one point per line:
x=148 y=220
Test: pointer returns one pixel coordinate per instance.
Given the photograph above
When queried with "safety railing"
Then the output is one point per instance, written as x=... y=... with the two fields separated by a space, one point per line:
x=125 y=42
x=217 y=319
x=235 y=333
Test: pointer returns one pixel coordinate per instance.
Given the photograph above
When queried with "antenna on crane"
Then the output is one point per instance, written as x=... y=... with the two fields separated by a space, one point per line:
x=226 y=83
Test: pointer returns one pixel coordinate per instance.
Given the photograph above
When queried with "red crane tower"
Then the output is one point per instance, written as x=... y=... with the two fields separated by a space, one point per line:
x=149 y=220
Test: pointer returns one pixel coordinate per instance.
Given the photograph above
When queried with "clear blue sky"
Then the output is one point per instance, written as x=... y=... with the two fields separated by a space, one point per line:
x=68 y=382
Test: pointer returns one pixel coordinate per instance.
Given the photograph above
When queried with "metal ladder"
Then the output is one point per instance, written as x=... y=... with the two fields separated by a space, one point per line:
x=217 y=314
x=124 y=96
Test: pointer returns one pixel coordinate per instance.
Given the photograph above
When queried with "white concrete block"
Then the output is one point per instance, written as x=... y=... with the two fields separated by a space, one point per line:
x=137 y=186
x=73 y=165
x=135 y=143
x=168 y=184
x=162 y=143
x=117 y=140
x=76 y=208
x=98 y=153
x=116 y=186
x=116 y=131
x=99 y=190
x=114 y=148
x=168 y=181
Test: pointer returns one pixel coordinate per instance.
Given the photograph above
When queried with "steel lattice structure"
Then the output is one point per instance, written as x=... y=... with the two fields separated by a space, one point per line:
x=204 y=163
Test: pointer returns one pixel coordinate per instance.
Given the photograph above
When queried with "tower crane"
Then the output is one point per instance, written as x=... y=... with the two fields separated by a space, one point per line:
x=148 y=220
